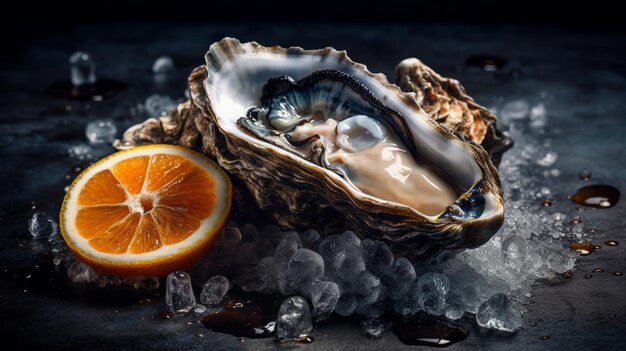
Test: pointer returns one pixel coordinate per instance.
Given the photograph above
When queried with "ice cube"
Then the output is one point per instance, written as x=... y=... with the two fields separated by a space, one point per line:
x=367 y=286
x=41 y=225
x=294 y=319
x=379 y=257
x=304 y=266
x=309 y=238
x=163 y=65
x=498 y=313
x=101 y=131
x=251 y=277
x=399 y=278
x=547 y=158
x=432 y=289
x=179 y=296
x=514 y=247
x=375 y=328
x=343 y=255
x=346 y=304
x=199 y=309
x=324 y=295
x=515 y=110
x=79 y=272
x=82 y=69
x=214 y=290
x=159 y=105
x=455 y=304
x=80 y=151
x=282 y=255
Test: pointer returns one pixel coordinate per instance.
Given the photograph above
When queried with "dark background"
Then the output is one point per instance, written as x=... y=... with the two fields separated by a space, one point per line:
x=574 y=52
x=28 y=22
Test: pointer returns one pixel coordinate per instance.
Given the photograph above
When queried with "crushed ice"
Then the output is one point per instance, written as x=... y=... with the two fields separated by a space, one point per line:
x=346 y=275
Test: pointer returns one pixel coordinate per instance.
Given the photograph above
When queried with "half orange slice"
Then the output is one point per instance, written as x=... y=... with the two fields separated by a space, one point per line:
x=146 y=211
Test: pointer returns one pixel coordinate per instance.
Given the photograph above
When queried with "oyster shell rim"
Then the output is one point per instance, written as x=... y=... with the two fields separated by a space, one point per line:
x=408 y=98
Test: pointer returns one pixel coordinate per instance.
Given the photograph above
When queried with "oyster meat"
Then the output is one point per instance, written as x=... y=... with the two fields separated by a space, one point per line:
x=321 y=142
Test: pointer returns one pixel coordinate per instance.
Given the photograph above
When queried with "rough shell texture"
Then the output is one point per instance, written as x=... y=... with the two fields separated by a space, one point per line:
x=446 y=101
x=300 y=196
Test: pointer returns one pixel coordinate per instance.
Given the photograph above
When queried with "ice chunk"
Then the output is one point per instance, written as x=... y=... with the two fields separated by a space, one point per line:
x=547 y=158
x=375 y=328
x=398 y=279
x=80 y=151
x=379 y=256
x=101 y=131
x=498 y=313
x=309 y=238
x=455 y=304
x=79 y=272
x=82 y=69
x=214 y=290
x=282 y=255
x=251 y=277
x=343 y=255
x=159 y=105
x=538 y=116
x=324 y=296
x=304 y=266
x=432 y=289
x=346 y=304
x=41 y=225
x=367 y=286
x=515 y=110
x=294 y=319
x=514 y=247
x=199 y=309
x=163 y=65
x=179 y=296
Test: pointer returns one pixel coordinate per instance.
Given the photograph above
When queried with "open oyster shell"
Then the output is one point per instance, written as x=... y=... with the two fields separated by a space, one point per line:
x=302 y=194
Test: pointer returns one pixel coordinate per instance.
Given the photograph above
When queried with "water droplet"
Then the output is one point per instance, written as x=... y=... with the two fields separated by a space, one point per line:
x=585 y=175
x=567 y=275
x=612 y=315
x=82 y=69
x=598 y=247
x=611 y=243
x=575 y=220
x=597 y=196
x=533 y=324
x=423 y=329
x=583 y=248
x=547 y=203
x=588 y=276
x=618 y=274
x=598 y=270
x=545 y=337
x=245 y=316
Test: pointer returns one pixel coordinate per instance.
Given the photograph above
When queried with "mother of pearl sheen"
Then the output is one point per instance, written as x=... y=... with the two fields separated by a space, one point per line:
x=377 y=163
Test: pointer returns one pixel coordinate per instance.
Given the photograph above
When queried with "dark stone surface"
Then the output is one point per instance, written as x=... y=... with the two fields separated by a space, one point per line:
x=582 y=73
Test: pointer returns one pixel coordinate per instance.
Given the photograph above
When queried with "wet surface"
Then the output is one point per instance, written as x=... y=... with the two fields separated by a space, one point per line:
x=41 y=138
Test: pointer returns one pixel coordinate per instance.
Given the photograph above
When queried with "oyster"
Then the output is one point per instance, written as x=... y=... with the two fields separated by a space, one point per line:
x=321 y=142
